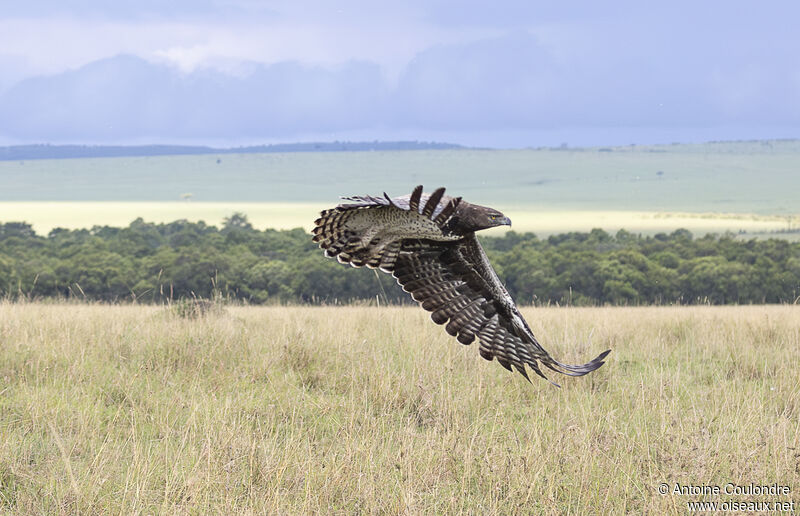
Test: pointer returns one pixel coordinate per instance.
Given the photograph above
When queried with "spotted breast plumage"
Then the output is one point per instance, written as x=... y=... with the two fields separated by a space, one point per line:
x=427 y=242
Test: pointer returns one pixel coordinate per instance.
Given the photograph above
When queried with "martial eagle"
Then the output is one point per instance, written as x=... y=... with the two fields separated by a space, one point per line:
x=427 y=242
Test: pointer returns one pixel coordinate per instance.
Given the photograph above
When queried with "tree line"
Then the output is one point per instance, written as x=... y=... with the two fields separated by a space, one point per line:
x=148 y=262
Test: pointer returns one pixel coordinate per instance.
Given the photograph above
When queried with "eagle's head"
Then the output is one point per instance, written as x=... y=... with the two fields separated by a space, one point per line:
x=469 y=218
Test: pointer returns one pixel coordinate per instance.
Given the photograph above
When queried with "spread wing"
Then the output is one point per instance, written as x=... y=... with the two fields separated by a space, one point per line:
x=369 y=230
x=457 y=284
x=448 y=274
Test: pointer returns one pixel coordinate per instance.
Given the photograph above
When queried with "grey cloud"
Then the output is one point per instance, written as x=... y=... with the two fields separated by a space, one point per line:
x=14 y=68
x=510 y=83
x=126 y=97
x=504 y=81
x=516 y=82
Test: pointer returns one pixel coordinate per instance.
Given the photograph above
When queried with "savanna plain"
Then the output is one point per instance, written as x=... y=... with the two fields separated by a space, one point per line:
x=748 y=188
x=126 y=409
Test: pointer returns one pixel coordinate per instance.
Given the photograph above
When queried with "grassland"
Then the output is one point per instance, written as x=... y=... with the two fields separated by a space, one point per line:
x=744 y=187
x=758 y=177
x=133 y=409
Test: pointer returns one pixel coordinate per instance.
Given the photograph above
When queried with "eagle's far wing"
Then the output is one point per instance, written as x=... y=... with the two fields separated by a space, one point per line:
x=456 y=282
x=369 y=230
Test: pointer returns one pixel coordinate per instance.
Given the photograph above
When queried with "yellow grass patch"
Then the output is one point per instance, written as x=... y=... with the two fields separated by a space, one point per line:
x=282 y=410
x=646 y=222
x=45 y=216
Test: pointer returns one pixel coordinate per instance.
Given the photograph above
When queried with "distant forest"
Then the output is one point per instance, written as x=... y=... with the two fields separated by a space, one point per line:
x=44 y=151
x=48 y=151
x=154 y=263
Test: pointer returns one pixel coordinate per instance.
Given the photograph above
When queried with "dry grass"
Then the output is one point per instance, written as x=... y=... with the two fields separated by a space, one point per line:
x=130 y=409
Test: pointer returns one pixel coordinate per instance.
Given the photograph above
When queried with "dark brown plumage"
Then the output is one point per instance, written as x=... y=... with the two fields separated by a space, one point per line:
x=427 y=242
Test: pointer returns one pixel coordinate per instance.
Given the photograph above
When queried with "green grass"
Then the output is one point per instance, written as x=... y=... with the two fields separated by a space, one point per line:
x=758 y=177
x=134 y=409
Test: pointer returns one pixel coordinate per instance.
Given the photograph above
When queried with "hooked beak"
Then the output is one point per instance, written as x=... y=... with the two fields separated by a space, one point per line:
x=505 y=221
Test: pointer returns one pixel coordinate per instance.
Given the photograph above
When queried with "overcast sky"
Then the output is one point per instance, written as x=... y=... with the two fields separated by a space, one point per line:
x=502 y=73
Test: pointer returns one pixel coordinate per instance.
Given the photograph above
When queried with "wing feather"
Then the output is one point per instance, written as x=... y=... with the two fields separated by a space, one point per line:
x=447 y=211
x=455 y=282
x=415 y=198
x=433 y=202
x=345 y=233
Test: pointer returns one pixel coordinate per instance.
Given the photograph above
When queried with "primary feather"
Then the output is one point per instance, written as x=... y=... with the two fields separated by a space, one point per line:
x=427 y=242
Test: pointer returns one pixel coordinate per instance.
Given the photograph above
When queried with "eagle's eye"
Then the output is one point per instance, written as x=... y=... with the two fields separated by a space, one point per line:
x=494 y=217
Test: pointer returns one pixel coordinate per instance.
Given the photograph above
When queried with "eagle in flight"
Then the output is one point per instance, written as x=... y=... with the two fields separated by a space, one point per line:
x=427 y=242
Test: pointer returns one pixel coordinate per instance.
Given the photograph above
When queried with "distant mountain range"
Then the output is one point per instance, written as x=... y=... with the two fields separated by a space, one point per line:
x=45 y=151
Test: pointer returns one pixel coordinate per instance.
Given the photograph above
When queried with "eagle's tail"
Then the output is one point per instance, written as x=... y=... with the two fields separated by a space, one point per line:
x=577 y=370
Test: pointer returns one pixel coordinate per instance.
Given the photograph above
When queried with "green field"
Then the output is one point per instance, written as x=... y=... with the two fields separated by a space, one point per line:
x=288 y=410
x=745 y=187
x=758 y=177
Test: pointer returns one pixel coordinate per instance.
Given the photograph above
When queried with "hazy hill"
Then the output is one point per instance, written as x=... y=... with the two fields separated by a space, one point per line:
x=44 y=151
